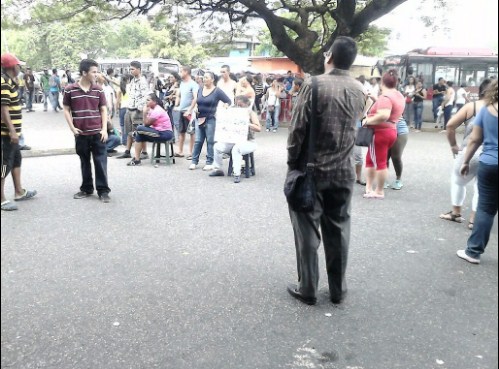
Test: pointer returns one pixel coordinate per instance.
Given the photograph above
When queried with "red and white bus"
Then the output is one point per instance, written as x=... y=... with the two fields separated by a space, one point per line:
x=459 y=65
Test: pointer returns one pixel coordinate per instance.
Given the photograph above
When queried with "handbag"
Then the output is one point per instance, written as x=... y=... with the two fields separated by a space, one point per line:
x=408 y=99
x=364 y=137
x=299 y=188
x=191 y=127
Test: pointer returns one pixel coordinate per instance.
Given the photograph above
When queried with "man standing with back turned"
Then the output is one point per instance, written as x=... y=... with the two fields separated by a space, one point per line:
x=340 y=103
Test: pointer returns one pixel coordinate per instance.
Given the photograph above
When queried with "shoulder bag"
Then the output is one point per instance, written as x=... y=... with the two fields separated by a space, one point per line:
x=299 y=189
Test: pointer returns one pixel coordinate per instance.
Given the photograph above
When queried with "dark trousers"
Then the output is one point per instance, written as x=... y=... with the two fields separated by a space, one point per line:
x=91 y=146
x=332 y=216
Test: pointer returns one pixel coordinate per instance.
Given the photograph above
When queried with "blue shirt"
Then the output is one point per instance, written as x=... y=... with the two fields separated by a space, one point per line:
x=207 y=105
x=187 y=92
x=488 y=123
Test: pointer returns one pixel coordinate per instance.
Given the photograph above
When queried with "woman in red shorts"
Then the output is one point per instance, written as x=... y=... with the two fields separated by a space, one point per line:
x=383 y=118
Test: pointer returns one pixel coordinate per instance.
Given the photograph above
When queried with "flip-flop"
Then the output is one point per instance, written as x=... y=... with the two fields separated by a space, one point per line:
x=8 y=206
x=26 y=195
x=179 y=155
x=451 y=217
x=373 y=196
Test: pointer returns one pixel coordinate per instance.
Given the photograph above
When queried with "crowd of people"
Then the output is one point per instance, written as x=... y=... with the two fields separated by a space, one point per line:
x=343 y=104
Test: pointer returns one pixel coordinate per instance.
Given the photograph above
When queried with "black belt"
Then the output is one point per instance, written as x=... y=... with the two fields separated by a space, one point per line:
x=132 y=109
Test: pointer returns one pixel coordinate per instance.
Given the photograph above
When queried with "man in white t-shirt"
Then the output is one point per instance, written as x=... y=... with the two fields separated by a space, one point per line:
x=462 y=96
x=227 y=84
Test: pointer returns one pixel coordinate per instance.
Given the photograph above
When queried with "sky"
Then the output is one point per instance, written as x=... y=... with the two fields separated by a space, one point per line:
x=470 y=24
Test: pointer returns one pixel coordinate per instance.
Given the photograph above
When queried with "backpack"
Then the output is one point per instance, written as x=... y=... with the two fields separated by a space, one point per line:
x=52 y=81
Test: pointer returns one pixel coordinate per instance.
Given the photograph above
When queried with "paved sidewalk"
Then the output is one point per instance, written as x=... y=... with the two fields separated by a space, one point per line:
x=183 y=271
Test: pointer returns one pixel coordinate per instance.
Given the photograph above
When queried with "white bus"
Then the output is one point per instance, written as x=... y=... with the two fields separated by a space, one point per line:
x=160 y=67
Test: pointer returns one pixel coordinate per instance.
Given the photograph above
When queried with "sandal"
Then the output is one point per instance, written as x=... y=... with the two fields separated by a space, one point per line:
x=359 y=182
x=450 y=216
x=26 y=195
x=8 y=206
x=179 y=155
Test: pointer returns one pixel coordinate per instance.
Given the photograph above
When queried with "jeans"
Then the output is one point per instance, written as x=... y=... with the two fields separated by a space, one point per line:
x=29 y=103
x=447 y=114
x=204 y=132
x=149 y=134
x=408 y=113
x=122 y=125
x=487 y=210
x=418 y=115
x=273 y=118
x=112 y=142
x=46 y=97
x=330 y=220
x=437 y=101
x=54 y=99
x=92 y=146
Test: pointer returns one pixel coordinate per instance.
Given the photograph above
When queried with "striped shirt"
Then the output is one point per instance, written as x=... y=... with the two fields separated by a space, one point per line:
x=10 y=97
x=340 y=104
x=85 y=107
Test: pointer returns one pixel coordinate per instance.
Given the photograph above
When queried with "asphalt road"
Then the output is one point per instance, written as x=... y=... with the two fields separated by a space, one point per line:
x=182 y=271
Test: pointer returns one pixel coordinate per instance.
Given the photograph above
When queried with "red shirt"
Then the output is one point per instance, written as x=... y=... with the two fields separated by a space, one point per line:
x=85 y=107
x=393 y=101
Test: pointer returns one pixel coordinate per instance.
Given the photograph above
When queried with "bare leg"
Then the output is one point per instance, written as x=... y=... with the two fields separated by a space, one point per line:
x=16 y=178
x=358 y=172
x=181 y=140
x=129 y=143
x=3 y=190
x=138 y=149
x=370 y=176
x=381 y=176
x=191 y=143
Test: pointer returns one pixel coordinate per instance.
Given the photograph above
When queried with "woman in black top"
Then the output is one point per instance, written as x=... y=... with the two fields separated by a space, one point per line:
x=418 y=102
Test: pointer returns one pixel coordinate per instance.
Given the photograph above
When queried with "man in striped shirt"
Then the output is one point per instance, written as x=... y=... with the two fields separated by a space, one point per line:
x=11 y=131
x=85 y=110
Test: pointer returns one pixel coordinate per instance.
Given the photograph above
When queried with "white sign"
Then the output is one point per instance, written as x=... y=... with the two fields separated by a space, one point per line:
x=232 y=125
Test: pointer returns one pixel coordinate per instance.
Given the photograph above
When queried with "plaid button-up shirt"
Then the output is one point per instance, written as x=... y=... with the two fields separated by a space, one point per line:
x=341 y=102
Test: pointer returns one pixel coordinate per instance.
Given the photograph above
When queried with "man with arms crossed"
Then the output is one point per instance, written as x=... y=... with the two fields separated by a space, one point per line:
x=340 y=103
x=85 y=111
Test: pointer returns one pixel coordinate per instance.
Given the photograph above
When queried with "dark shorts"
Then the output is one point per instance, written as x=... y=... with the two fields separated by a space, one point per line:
x=11 y=156
x=183 y=124
x=152 y=135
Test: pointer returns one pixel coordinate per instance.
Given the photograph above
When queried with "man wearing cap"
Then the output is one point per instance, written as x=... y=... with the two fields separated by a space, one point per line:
x=11 y=121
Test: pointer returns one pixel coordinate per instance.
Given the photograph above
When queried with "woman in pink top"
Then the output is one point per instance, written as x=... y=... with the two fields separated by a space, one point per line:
x=157 y=127
x=383 y=118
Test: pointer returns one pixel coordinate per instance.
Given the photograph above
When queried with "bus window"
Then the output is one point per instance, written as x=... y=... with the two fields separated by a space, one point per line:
x=492 y=72
x=447 y=72
x=423 y=72
x=167 y=68
x=472 y=74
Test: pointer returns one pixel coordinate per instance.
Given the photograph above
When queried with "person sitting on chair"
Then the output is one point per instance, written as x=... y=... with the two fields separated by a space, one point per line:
x=157 y=127
x=237 y=150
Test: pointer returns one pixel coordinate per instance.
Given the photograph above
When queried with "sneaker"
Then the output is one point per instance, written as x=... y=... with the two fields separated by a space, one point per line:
x=462 y=254
x=208 y=168
x=81 y=195
x=387 y=186
x=217 y=173
x=104 y=197
x=125 y=155
x=237 y=179
x=144 y=156
x=134 y=163
x=267 y=130
x=398 y=185
x=274 y=131
x=192 y=167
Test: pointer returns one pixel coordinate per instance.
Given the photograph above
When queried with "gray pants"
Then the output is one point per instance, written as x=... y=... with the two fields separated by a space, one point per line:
x=332 y=216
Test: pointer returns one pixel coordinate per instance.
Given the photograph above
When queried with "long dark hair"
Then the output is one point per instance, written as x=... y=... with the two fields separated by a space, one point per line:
x=125 y=79
x=156 y=99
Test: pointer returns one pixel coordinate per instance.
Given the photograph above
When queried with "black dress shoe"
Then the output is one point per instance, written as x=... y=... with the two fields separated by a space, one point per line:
x=293 y=291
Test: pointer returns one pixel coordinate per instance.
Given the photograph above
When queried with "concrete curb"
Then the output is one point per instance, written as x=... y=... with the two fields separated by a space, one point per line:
x=49 y=152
